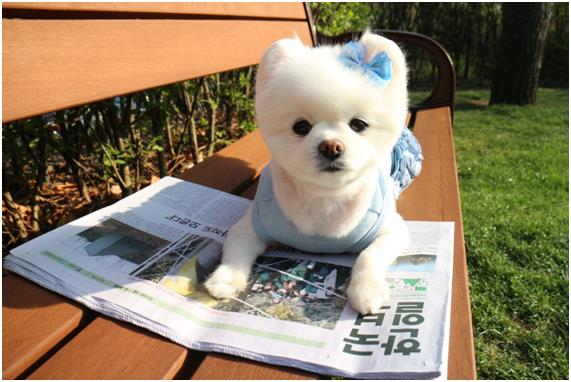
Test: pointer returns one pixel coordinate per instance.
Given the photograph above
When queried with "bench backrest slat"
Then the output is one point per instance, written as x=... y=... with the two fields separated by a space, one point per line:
x=52 y=64
x=262 y=10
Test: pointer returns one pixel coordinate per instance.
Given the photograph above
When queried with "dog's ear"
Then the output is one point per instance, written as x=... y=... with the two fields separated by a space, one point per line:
x=280 y=51
x=375 y=45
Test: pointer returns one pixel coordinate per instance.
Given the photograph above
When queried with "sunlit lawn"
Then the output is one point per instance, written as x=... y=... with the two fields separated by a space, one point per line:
x=513 y=171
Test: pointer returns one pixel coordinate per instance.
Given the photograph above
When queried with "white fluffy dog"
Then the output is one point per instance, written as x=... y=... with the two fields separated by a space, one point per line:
x=330 y=122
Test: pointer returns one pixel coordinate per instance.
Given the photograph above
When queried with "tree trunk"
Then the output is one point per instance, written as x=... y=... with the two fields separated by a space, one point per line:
x=212 y=103
x=168 y=130
x=120 y=131
x=156 y=130
x=196 y=153
x=41 y=170
x=524 y=29
x=124 y=135
x=71 y=150
x=468 y=42
x=191 y=107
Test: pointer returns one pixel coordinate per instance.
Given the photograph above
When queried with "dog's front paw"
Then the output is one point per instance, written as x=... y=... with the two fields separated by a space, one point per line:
x=226 y=282
x=367 y=292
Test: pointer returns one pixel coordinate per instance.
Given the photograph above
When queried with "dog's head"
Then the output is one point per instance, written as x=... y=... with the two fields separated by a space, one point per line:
x=328 y=114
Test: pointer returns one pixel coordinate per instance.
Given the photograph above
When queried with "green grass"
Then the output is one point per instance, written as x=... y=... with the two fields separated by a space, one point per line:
x=513 y=171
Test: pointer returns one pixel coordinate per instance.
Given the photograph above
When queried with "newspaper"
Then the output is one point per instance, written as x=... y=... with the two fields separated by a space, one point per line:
x=144 y=259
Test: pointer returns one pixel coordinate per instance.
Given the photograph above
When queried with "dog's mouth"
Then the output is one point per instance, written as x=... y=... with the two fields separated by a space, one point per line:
x=333 y=167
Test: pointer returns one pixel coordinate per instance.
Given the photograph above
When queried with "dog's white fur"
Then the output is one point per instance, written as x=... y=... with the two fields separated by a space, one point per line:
x=295 y=81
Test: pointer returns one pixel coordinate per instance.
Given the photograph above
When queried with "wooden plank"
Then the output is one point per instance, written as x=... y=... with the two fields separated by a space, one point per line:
x=261 y=10
x=34 y=321
x=108 y=349
x=435 y=196
x=234 y=168
x=224 y=367
x=250 y=192
x=50 y=65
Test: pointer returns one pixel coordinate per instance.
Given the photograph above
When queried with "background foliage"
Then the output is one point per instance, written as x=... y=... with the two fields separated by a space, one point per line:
x=61 y=165
x=468 y=31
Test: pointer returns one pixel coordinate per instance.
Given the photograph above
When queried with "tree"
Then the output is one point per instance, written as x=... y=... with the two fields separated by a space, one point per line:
x=524 y=29
x=333 y=19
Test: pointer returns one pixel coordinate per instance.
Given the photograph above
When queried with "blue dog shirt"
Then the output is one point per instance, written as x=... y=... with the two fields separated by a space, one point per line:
x=270 y=224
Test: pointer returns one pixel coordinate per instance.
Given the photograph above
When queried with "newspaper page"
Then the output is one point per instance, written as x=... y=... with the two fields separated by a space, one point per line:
x=145 y=258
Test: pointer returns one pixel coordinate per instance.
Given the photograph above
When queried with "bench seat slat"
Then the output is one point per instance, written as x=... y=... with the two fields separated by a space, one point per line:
x=435 y=196
x=34 y=321
x=259 y=10
x=51 y=65
x=250 y=192
x=224 y=367
x=233 y=168
x=109 y=349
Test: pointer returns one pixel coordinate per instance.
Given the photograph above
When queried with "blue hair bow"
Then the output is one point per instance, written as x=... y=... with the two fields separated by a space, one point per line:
x=379 y=68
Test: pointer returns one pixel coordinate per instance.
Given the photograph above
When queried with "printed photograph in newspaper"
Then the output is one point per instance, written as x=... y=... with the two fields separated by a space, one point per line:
x=307 y=292
x=183 y=266
x=416 y=270
x=118 y=245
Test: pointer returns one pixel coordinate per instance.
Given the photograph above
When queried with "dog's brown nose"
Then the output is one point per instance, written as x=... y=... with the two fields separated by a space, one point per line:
x=331 y=148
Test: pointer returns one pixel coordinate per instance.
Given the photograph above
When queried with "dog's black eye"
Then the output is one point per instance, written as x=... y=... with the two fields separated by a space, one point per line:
x=358 y=124
x=301 y=127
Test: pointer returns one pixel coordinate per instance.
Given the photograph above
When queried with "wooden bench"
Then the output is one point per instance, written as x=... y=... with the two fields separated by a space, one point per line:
x=59 y=55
